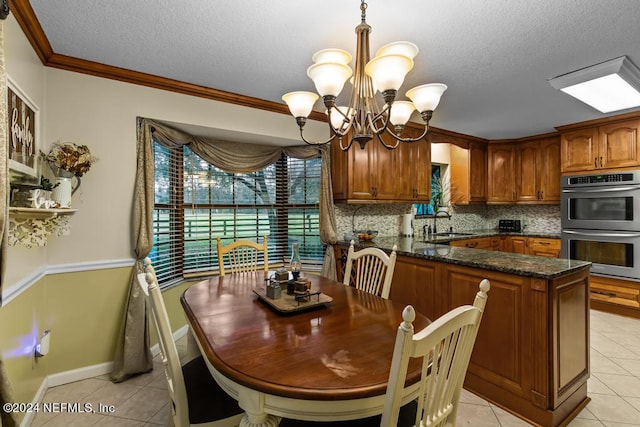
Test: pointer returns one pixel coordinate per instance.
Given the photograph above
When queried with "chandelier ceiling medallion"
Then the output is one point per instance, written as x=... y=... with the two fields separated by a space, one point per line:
x=363 y=116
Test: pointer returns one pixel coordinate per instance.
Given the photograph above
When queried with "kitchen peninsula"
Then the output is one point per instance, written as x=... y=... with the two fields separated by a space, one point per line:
x=531 y=356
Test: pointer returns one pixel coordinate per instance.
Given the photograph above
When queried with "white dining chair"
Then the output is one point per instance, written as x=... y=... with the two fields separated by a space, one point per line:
x=196 y=398
x=371 y=268
x=445 y=347
x=242 y=256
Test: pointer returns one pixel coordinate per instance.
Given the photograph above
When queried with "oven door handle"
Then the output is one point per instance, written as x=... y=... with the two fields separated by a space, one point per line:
x=601 y=190
x=587 y=233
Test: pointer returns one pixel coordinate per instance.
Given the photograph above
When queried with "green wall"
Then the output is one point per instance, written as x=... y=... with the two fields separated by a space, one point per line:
x=84 y=312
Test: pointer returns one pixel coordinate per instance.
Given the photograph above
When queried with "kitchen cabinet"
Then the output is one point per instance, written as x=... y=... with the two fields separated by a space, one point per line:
x=501 y=181
x=531 y=355
x=468 y=170
x=607 y=146
x=519 y=244
x=542 y=246
x=378 y=175
x=615 y=295
x=500 y=243
x=538 y=171
x=476 y=243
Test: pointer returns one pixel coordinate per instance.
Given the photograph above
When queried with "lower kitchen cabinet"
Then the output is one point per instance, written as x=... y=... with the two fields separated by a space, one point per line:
x=531 y=355
x=479 y=243
x=615 y=296
x=541 y=246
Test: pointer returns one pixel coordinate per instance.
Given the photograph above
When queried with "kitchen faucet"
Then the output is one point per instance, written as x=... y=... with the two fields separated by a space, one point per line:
x=435 y=215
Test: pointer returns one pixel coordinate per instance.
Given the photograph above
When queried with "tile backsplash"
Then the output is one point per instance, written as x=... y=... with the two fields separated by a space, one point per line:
x=386 y=219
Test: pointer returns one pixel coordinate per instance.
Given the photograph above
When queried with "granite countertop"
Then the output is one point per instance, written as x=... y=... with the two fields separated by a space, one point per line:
x=505 y=262
x=473 y=234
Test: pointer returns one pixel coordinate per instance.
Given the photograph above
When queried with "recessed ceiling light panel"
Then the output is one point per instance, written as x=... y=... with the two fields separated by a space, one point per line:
x=609 y=86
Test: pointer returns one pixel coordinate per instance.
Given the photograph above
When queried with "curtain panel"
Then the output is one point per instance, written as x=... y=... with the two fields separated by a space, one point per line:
x=132 y=352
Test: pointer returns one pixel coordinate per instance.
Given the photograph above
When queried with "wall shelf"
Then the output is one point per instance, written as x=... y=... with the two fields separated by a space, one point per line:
x=32 y=227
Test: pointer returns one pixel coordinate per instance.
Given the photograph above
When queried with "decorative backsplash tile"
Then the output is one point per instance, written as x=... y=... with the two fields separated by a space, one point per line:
x=387 y=219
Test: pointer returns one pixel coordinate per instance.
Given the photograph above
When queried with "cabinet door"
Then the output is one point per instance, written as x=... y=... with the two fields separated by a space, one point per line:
x=477 y=172
x=619 y=145
x=544 y=247
x=579 y=150
x=549 y=170
x=528 y=178
x=361 y=166
x=501 y=171
x=460 y=175
x=384 y=172
x=420 y=166
x=519 y=245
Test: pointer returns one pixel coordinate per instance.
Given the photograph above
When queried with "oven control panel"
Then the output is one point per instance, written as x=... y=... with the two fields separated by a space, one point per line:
x=631 y=177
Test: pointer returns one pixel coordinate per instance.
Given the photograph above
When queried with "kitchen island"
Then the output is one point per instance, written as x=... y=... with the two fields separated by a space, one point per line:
x=531 y=355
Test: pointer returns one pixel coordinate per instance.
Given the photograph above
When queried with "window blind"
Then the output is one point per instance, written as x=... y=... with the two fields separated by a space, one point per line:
x=195 y=203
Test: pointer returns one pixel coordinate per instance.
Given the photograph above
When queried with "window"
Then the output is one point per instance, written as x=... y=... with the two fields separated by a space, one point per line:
x=196 y=202
x=425 y=209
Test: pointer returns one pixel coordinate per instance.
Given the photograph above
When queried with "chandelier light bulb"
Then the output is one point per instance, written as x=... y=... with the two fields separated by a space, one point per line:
x=388 y=71
x=329 y=77
x=426 y=97
x=403 y=48
x=332 y=55
x=300 y=103
x=401 y=112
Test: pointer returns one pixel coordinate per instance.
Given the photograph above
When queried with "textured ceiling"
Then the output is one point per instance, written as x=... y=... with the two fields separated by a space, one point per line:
x=495 y=55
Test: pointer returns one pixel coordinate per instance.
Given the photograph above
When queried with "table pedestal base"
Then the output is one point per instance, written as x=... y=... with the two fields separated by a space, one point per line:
x=262 y=420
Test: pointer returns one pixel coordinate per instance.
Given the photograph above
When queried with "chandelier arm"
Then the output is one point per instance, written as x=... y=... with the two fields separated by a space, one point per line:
x=318 y=143
x=399 y=138
x=385 y=145
x=381 y=115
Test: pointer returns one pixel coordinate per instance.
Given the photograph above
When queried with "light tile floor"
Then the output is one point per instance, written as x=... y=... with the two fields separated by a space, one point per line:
x=614 y=388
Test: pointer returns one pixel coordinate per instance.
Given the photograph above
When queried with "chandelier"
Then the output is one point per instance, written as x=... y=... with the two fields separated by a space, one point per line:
x=363 y=116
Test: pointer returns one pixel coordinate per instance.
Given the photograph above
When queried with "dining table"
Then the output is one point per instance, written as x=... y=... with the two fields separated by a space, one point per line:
x=326 y=358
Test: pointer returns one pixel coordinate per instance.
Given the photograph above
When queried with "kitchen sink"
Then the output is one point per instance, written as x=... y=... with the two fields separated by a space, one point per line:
x=454 y=234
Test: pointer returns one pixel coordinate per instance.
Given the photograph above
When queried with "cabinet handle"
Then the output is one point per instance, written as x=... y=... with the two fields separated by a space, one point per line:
x=471 y=244
x=595 y=162
x=544 y=243
x=541 y=195
x=600 y=161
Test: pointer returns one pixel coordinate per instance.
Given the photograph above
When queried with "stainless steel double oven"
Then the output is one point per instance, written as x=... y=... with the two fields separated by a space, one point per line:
x=601 y=222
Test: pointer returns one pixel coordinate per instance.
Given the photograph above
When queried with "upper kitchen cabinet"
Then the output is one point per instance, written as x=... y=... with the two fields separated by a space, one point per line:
x=378 y=175
x=606 y=144
x=468 y=174
x=538 y=171
x=501 y=181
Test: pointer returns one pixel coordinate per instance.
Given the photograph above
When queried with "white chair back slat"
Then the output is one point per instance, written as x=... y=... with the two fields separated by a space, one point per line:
x=446 y=346
x=373 y=270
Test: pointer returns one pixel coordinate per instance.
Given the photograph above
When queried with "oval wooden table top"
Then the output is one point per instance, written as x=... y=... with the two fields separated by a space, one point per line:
x=338 y=351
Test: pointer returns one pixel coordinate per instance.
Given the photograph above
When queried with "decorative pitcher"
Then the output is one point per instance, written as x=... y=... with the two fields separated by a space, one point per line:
x=64 y=190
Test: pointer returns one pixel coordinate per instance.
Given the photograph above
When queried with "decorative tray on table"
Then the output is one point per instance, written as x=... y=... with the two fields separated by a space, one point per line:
x=296 y=302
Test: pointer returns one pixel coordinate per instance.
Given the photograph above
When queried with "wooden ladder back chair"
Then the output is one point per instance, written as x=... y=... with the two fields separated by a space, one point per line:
x=242 y=256
x=196 y=398
x=371 y=268
x=446 y=346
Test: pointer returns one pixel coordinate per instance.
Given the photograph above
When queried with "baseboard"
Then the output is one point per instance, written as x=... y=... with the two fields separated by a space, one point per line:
x=79 y=374
x=29 y=416
x=73 y=375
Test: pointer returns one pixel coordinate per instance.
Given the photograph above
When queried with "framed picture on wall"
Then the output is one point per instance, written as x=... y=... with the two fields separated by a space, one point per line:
x=23 y=135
